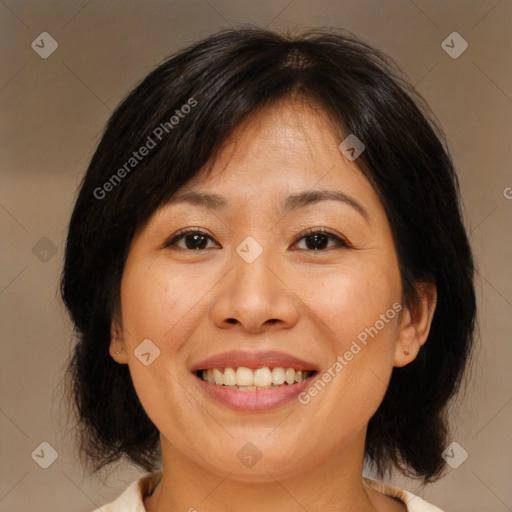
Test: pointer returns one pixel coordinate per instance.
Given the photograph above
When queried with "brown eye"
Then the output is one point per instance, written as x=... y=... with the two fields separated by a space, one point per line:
x=318 y=240
x=192 y=239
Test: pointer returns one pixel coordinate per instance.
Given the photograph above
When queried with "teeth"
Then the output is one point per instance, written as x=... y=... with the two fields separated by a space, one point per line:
x=278 y=376
x=246 y=388
x=219 y=378
x=289 y=376
x=262 y=377
x=246 y=379
x=229 y=377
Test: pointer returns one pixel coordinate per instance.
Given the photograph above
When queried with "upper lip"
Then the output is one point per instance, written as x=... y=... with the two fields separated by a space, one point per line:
x=254 y=360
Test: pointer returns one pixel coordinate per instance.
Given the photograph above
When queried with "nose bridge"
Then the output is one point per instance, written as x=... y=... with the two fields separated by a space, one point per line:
x=254 y=256
x=253 y=282
x=253 y=296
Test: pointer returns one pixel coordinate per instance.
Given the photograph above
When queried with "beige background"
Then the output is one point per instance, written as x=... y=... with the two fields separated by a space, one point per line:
x=53 y=111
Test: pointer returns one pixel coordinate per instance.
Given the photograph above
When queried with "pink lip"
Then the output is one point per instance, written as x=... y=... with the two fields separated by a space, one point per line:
x=253 y=401
x=254 y=360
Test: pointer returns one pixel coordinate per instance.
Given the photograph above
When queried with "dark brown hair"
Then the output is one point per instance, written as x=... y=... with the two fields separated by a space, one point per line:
x=230 y=75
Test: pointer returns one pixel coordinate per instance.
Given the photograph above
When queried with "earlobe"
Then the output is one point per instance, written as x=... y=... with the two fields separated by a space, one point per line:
x=415 y=325
x=406 y=351
x=117 y=347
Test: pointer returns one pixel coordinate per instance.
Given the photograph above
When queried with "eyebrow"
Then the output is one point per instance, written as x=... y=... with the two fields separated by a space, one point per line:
x=292 y=202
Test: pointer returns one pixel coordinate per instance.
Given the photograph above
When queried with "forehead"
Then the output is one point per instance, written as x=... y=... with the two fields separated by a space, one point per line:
x=280 y=163
x=285 y=148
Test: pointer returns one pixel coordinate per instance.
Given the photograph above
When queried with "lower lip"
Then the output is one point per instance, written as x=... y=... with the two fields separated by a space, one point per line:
x=254 y=401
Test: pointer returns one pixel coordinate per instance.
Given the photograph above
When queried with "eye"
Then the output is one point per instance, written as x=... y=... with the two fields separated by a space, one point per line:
x=318 y=239
x=194 y=239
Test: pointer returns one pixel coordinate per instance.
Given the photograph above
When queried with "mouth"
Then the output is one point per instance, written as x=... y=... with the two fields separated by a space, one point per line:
x=259 y=379
x=253 y=382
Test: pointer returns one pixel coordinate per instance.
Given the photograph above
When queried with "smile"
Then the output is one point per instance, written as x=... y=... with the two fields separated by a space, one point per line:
x=259 y=379
x=253 y=381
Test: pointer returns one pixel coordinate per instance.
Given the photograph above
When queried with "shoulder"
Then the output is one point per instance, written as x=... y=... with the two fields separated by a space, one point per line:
x=131 y=500
x=413 y=503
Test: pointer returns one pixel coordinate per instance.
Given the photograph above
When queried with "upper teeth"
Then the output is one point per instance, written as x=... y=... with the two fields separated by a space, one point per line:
x=262 y=377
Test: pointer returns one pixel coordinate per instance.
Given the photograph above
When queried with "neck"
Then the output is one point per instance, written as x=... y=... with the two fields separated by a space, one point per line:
x=335 y=485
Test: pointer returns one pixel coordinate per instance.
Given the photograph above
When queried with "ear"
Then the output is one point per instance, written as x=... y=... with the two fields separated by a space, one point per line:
x=117 y=347
x=415 y=325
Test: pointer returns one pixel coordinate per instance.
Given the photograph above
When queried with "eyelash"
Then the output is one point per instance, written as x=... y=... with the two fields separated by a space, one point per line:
x=308 y=233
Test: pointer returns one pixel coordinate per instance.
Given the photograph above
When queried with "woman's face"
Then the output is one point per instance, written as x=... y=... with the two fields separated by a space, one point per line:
x=257 y=289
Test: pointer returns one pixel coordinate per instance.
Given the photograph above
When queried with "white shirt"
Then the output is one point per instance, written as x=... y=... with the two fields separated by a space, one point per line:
x=131 y=500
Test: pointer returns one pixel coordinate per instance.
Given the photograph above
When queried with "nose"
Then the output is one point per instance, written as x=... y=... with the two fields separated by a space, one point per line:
x=255 y=297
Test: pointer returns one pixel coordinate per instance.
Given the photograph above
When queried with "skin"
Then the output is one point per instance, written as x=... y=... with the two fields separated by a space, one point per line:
x=320 y=300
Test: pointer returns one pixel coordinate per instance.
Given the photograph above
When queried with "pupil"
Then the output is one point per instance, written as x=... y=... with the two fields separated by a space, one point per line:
x=315 y=242
x=199 y=241
x=318 y=241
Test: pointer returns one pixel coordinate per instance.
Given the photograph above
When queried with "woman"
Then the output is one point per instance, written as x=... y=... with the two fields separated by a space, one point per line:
x=270 y=280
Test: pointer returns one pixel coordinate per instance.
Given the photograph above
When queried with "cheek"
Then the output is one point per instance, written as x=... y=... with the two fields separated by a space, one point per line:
x=357 y=311
x=351 y=300
x=155 y=301
x=158 y=304
x=154 y=306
